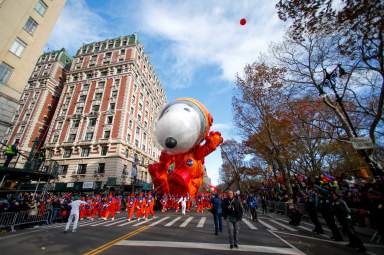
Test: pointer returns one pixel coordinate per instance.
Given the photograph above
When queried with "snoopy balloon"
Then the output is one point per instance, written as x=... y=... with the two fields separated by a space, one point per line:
x=181 y=129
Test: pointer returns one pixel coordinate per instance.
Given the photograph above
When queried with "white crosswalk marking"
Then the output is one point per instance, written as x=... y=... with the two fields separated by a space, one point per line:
x=115 y=222
x=267 y=225
x=250 y=225
x=210 y=246
x=172 y=222
x=144 y=221
x=284 y=226
x=201 y=222
x=100 y=223
x=159 y=221
x=186 y=222
x=305 y=228
x=126 y=223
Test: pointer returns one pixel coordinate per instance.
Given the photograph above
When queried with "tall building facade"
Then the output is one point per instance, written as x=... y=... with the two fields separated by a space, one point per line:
x=103 y=126
x=25 y=26
x=39 y=100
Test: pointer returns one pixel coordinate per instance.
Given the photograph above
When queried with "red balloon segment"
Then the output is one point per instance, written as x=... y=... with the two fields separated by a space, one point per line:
x=243 y=21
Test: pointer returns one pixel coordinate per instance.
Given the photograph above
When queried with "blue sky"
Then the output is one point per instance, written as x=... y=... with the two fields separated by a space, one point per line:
x=196 y=47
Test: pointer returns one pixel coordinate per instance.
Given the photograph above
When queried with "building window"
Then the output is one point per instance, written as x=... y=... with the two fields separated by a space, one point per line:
x=117 y=82
x=139 y=117
x=67 y=153
x=107 y=134
x=5 y=73
x=101 y=84
x=132 y=110
x=145 y=123
x=21 y=129
x=114 y=93
x=79 y=110
x=92 y=122
x=137 y=143
x=129 y=138
x=98 y=96
x=88 y=136
x=140 y=106
x=109 y=119
x=101 y=168
x=82 y=98
x=41 y=8
x=85 y=152
x=71 y=137
x=137 y=131
x=75 y=123
x=18 y=47
x=55 y=138
x=82 y=169
x=30 y=26
x=112 y=106
x=95 y=108
x=63 y=169
x=104 y=150
x=86 y=86
x=130 y=124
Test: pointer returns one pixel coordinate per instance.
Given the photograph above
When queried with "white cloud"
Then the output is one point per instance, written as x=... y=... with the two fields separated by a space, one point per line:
x=77 y=25
x=208 y=32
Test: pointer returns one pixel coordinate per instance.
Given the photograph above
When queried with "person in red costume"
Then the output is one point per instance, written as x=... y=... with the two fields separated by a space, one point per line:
x=131 y=204
x=181 y=129
x=150 y=204
x=140 y=206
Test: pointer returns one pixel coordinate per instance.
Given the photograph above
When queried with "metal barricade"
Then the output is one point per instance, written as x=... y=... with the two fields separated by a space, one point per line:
x=12 y=219
x=7 y=219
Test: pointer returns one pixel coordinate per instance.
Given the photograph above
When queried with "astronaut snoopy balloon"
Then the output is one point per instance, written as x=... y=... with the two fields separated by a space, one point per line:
x=181 y=129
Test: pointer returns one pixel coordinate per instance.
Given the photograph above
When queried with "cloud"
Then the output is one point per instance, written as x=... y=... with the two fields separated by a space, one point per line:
x=77 y=24
x=208 y=32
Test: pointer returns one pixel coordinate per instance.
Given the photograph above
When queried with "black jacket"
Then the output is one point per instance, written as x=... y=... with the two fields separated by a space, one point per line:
x=232 y=208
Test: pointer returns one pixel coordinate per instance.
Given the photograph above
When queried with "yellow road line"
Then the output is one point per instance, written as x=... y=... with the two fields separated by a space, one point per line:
x=111 y=243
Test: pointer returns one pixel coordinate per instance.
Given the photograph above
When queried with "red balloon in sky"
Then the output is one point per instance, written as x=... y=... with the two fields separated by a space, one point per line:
x=243 y=21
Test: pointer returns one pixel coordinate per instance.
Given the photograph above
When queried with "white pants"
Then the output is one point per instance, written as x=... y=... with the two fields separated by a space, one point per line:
x=70 y=219
x=183 y=207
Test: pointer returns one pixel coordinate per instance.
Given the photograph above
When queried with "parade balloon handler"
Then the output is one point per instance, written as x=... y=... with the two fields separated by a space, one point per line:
x=181 y=128
x=74 y=215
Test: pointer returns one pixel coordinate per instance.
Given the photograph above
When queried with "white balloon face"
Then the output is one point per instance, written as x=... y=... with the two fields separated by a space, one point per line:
x=179 y=127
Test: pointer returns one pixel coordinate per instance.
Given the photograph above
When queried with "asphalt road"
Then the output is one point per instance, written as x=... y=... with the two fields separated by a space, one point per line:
x=171 y=233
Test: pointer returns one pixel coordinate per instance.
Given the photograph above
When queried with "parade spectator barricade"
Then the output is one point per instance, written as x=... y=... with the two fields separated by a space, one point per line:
x=12 y=219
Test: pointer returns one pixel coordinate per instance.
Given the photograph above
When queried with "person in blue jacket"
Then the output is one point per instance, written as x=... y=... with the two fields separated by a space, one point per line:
x=217 y=213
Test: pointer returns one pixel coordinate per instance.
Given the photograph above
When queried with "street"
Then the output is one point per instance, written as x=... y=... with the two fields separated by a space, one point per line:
x=172 y=233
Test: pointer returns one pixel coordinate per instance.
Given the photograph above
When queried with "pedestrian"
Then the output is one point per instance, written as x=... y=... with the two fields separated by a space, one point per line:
x=311 y=206
x=10 y=152
x=327 y=211
x=217 y=212
x=252 y=205
x=343 y=215
x=183 y=202
x=232 y=213
x=264 y=204
x=74 y=215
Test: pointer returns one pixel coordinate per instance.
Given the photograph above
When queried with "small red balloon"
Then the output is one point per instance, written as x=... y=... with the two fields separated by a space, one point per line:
x=243 y=21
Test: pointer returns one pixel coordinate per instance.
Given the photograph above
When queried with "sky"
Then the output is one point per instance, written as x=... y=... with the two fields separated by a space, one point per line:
x=196 y=46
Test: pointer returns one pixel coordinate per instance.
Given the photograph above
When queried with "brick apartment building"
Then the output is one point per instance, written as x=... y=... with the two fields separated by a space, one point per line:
x=102 y=127
x=39 y=99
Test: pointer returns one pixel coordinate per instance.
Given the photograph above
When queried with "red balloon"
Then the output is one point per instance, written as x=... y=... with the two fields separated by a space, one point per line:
x=243 y=21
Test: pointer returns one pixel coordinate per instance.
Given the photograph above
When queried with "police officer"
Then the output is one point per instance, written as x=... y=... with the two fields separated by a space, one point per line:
x=10 y=152
x=326 y=209
x=343 y=215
